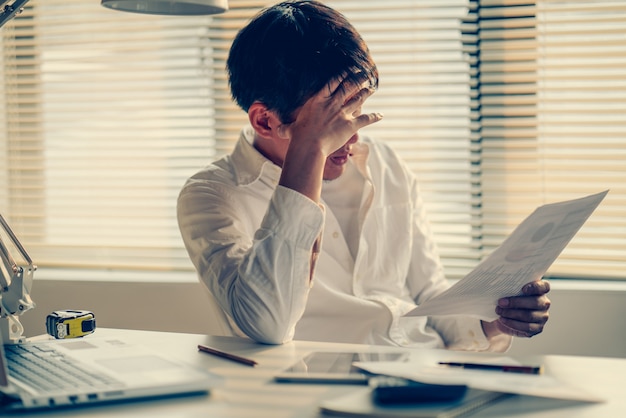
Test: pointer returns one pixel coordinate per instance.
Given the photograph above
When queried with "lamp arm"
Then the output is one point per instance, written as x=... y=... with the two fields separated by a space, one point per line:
x=15 y=286
x=10 y=10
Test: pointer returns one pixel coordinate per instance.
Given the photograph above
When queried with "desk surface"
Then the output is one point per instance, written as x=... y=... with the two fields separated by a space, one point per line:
x=250 y=391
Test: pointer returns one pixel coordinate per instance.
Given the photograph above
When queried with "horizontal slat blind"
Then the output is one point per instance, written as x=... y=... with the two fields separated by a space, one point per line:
x=581 y=90
x=120 y=108
x=553 y=96
x=424 y=96
x=106 y=113
x=508 y=117
x=229 y=119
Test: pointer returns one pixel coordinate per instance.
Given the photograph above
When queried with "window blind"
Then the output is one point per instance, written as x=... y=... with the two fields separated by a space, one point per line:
x=110 y=112
x=105 y=114
x=581 y=130
x=424 y=97
x=553 y=93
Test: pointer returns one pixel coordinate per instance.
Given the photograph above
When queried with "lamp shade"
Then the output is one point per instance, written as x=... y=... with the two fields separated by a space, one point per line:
x=169 y=7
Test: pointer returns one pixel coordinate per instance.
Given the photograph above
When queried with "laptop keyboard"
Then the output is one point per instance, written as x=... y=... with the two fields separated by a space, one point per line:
x=43 y=368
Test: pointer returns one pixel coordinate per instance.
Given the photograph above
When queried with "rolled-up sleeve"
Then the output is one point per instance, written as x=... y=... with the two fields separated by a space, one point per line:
x=259 y=274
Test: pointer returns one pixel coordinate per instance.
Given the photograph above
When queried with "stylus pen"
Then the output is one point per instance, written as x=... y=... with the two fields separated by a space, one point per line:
x=495 y=367
x=226 y=355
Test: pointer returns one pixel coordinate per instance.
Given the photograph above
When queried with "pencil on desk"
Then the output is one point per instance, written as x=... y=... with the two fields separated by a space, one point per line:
x=226 y=355
x=495 y=367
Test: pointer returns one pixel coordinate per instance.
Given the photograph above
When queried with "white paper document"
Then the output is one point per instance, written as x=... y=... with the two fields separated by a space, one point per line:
x=425 y=367
x=523 y=257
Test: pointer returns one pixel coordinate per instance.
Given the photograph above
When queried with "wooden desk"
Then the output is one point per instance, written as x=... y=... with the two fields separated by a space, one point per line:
x=249 y=392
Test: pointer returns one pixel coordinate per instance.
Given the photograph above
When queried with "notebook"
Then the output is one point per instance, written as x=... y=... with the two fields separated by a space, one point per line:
x=53 y=373
x=358 y=403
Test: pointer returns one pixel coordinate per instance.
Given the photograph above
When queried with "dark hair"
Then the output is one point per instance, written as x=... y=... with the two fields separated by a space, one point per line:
x=290 y=51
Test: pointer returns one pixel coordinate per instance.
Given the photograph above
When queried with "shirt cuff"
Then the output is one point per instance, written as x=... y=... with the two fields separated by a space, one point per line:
x=294 y=217
x=470 y=337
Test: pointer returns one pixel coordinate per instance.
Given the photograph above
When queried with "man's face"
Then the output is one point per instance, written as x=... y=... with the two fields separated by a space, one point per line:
x=336 y=162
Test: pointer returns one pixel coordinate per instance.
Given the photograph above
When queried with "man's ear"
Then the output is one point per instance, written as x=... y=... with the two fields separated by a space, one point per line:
x=265 y=122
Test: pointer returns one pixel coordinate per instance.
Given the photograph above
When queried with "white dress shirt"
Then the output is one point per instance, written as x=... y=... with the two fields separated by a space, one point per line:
x=251 y=243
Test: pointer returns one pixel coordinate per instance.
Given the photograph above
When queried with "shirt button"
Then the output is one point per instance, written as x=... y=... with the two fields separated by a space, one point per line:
x=335 y=234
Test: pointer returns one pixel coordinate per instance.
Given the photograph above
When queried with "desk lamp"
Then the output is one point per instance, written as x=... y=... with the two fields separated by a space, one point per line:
x=16 y=278
x=169 y=7
x=9 y=10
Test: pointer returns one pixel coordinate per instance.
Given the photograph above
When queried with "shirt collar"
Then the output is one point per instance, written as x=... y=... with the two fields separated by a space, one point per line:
x=249 y=164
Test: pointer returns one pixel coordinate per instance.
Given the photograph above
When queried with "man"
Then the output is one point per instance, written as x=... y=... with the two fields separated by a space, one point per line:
x=309 y=230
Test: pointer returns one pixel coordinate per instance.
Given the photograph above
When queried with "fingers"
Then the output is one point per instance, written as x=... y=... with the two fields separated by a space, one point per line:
x=349 y=99
x=536 y=310
x=541 y=303
x=352 y=107
x=533 y=297
x=525 y=315
x=539 y=287
x=519 y=328
x=349 y=94
x=336 y=86
x=331 y=117
x=364 y=120
x=343 y=88
x=527 y=325
x=357 y=98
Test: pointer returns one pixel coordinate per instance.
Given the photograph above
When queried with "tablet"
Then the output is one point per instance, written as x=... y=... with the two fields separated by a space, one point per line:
x=334 y=367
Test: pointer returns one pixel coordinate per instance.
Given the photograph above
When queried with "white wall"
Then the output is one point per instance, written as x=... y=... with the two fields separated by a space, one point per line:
x=584 y=320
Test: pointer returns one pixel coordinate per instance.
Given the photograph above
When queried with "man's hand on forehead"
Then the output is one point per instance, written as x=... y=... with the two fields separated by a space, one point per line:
x=332 y=116
x=349 y=94
x=347 y=88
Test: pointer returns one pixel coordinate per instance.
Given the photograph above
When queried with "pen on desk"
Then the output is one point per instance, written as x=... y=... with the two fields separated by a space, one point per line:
x=228 y=356
x=495 y=367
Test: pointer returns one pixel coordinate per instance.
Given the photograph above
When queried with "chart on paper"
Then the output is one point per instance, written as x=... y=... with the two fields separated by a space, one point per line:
x=523 y=257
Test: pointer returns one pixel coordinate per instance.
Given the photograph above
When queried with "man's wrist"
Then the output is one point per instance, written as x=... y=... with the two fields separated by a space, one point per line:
x=303 y=171
x=490 y=329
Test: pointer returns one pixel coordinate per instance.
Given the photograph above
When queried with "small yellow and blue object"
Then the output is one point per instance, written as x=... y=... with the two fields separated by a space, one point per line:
x=70 y=323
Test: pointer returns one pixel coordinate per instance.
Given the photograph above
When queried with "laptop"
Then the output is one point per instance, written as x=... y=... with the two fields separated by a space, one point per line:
x=50 y=373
